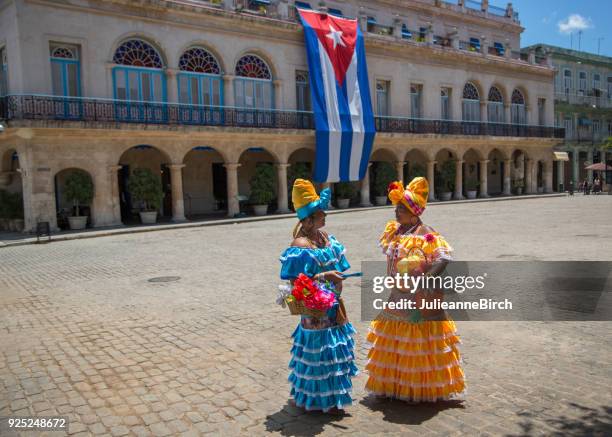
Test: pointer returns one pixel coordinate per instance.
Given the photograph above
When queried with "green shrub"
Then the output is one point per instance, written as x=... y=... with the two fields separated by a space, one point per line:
x=417 y=170
x=11 y=205
x=78 y=189
x=344 y=190
x=384 y=174
x=262 y=185
x=146 y=187
x=445 y=177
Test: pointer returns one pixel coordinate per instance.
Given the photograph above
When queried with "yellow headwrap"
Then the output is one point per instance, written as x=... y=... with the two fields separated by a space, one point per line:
x=414 y=197
x=306 y=200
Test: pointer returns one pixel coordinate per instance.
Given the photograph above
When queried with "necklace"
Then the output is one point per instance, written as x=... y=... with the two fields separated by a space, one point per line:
x=316 y=241
x=400 y=229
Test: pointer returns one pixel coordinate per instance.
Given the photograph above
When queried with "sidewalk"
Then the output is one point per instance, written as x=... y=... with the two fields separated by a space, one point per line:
x=10 y=239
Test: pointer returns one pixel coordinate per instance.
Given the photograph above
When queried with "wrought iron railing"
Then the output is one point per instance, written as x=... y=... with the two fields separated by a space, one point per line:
x=37 y=107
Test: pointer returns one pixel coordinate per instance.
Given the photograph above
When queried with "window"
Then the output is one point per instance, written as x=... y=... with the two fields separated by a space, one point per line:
x=596 y=83
x=499 y=48
x=445 y=113
x=406 y=34
x=596 y=128
x=422 y=33
x=253 y=85
x=302 y=91
x=199 y=82
x=371 y=24
x=582 y=83
x=518 y=111
x=474 y=45
x=568 y=124
x=567 y=80
x=335 y=12
x=495 y=106
x=382 y=97
x=541 y=112
x=3 y=72
x=609 y=127
x=610 y=87
x=303 y=5
x=65 y=70
x=471 y=103
x=416 y=101
x=139 y=74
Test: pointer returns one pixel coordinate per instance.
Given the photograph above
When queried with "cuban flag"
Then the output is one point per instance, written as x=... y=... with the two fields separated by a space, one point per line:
x=340 y=93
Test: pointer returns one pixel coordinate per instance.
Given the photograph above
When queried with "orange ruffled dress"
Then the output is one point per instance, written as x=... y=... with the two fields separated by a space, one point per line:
x=412 y=358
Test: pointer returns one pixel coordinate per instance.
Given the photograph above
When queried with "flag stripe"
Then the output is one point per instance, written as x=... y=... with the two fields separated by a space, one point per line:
x=356 y=111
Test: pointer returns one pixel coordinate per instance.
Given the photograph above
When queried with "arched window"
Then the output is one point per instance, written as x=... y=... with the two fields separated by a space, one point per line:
x=139 y=75
x=302 y=91
x=199 y=82
x=65 y=70
x=253 y=86
x=495 y=106
x=519 y=113
x=471 y=103
x=3 y=72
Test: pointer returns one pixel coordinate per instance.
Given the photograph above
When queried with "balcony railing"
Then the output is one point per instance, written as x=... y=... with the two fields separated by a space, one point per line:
x=52 y=108
x=602 y=101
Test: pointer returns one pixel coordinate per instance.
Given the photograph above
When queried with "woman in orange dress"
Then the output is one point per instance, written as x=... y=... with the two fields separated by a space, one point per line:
x=414 y=355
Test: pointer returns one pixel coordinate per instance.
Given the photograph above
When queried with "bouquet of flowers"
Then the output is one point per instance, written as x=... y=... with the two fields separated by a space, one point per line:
x=308 y=297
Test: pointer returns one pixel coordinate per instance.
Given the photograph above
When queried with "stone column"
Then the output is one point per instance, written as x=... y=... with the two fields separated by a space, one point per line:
x=171 y=85
x=507 y=113
x=507 y=177
x=106 y=206
x=397 y=27
x=483 y=111
x=233 y=206
x=365 y=188
x=484 y=169
x=399 y=168
x=38 y=197
x=228 y=90
x=590 y=161
x=575 y=169
x=532 y=57
x=281 y=175
x=508 y=50
x=561 y=175
x=176 y=183
x=529 y=176
x=430 y=179
x=328 y=185
x=458 y=195
x=548 y=176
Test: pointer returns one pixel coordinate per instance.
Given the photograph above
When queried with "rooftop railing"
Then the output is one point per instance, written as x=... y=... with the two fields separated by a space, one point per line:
x=90 y=110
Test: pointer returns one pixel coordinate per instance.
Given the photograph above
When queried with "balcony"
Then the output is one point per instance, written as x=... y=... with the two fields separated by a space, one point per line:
x=593 y=101
x=68 y=109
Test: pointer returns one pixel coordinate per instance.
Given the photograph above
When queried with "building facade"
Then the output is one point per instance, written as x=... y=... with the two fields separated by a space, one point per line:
x=583 y=107
x=202 y=92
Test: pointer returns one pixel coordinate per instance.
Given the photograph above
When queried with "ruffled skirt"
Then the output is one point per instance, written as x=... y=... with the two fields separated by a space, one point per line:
x=322 y=365
x=414 y=361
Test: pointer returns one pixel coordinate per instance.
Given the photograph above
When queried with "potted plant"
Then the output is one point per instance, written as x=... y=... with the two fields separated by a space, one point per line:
x=384 y=174
x=299 y=170
x=471 y=187
x=78 y=190
x=417 y=170
x=344 y=191
x=446 y=180
x=519 y=184
x=262 y=188
x=146 y=188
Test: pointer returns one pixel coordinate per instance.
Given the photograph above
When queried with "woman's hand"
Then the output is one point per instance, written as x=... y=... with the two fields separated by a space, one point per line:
x=333 y=276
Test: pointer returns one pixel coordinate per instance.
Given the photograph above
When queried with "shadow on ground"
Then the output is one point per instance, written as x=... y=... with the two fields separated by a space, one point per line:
x=404 y=413
x=293 y=421
x=588 y=422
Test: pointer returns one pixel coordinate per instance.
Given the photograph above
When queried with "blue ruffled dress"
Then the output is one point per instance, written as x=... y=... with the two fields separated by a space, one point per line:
x=322 y=359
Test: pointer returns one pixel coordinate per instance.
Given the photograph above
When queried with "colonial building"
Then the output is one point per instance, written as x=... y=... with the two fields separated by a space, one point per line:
x=583 y=106
x=202 y=91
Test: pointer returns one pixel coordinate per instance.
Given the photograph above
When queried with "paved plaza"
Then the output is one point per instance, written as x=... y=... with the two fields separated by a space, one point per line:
x=85 y=333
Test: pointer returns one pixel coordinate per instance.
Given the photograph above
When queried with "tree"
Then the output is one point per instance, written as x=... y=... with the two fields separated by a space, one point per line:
x=78 y=189
x=145 y=187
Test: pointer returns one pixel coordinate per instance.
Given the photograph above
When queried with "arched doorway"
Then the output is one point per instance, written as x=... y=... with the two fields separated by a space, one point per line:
x=204 y=182
x=11 y=192
x=301 y=165
x=65 y=206
x=471 y=173
x=416 y=165
x=384 y=170
x=518 y=171
x=445 y=171
x=250 y=161
x=540 y=176
x=146 y=157
x=495 y=173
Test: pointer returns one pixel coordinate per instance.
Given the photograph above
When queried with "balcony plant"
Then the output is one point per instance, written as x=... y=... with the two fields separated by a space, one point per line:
x=518 y=185
x=146 y=188
x=471 y=188
x=384 y=174
x=262 y=188
x=78 y=190
x=445 y=182
x=344 y=192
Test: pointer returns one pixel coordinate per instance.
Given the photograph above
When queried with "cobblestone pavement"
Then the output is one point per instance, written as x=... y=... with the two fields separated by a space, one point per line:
x=83 y=332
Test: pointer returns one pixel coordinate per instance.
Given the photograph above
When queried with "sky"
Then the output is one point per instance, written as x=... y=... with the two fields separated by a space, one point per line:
x=553 y=21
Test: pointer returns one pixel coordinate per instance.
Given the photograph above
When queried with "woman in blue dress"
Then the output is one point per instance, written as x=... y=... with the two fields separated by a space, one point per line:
x=322 y=358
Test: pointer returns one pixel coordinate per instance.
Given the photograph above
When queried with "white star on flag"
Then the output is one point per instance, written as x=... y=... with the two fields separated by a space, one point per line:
x=335 y=36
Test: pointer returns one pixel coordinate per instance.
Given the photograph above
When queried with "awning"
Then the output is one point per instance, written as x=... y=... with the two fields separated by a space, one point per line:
x=560 y=156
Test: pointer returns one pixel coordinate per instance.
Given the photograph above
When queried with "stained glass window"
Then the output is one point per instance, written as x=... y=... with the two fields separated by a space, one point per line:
x=495 y=95
x=517 y=97
x=137 y=53
x=199 y=60
x=253 y=67
x=470 y=92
